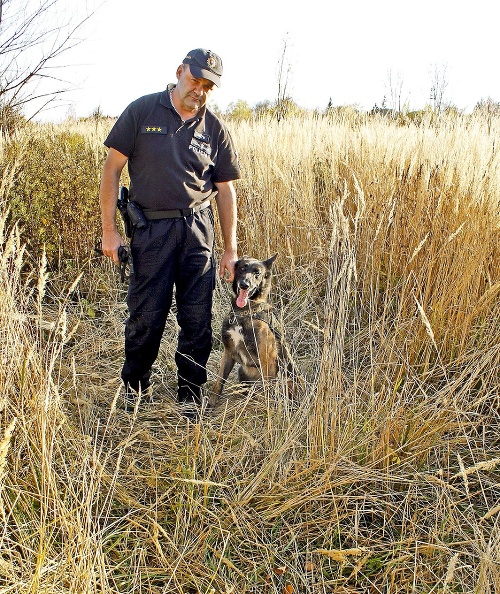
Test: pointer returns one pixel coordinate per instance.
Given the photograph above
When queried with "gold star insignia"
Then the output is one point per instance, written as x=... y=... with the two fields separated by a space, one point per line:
x=159 y=129
x=148 y=129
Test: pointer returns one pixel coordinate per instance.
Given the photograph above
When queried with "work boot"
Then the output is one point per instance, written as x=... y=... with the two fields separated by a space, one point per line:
x=189 y=398
x=130 y=397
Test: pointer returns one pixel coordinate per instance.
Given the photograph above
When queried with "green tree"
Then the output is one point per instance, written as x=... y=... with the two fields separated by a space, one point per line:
x=263 y=108
x=239 y=110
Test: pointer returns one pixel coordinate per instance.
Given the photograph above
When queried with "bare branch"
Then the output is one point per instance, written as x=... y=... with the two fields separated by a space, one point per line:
x=30 y=48
x=395 y=89
x=439 y=82
x=284 y=69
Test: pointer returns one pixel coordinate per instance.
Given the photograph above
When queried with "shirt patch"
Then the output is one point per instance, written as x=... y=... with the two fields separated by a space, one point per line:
x=154 y=130
x=202 y=136
x=200 y=143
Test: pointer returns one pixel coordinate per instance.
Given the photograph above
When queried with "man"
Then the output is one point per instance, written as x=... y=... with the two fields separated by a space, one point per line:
x=180 y=157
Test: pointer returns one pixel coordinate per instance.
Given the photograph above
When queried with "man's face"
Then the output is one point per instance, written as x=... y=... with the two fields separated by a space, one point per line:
x=192 y=92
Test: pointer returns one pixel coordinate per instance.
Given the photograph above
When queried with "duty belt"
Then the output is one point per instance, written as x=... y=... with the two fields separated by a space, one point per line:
x=176 y=213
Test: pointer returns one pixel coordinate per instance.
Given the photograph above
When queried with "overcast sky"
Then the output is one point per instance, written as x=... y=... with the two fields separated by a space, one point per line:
x=345 y=51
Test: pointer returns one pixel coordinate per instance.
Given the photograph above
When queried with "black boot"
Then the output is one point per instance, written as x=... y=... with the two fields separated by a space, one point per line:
x=189 y=397
x=131 y=396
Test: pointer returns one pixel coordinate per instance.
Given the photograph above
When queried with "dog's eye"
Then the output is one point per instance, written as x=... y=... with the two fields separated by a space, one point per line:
x=256 y=274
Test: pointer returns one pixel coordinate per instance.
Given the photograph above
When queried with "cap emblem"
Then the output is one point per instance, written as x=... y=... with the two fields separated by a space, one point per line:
x=211 y=62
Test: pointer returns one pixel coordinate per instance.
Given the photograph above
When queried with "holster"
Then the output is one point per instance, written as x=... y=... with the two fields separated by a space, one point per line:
x=136 y=216
x=131 y=213
x=122 y=205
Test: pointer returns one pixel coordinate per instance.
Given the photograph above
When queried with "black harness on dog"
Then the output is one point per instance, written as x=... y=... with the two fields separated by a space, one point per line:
x=263 y=313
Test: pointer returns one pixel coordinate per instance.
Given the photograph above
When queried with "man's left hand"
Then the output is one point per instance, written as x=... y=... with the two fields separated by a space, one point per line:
x=227 y=262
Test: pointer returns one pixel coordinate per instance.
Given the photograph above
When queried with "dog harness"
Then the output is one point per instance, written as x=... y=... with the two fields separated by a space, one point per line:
x=263 y=313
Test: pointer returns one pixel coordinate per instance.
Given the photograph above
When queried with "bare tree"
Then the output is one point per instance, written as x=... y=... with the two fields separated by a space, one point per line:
x=32 y=41
x=284 y=70
x=439 y=82
x=395 y=89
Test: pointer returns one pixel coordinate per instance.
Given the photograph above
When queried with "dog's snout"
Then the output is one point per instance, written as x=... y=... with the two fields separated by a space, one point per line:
x=244 y=284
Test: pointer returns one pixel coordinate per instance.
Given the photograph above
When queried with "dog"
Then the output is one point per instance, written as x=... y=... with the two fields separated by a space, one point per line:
x=247 y=332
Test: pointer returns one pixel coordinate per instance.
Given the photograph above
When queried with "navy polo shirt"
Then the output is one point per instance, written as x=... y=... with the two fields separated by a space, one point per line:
x=171 y=164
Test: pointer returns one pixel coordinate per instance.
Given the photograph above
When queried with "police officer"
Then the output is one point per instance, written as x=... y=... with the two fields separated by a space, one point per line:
x=180 y=158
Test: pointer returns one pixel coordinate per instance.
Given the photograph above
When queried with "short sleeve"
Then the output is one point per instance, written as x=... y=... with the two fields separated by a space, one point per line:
x=122 y=136
x=227 y=167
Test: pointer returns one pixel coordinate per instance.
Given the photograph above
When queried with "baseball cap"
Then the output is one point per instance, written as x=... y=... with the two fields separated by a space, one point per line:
x=204 y=64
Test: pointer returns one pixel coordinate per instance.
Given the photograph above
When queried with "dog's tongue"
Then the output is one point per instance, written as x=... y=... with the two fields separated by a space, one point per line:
x=242 y=298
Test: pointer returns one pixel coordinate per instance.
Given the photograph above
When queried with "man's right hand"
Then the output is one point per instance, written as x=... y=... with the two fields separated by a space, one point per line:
x=108 y=195
x=111 y=241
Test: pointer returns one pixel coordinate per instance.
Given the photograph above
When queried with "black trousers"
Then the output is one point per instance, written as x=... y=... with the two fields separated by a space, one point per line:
x=171 y=253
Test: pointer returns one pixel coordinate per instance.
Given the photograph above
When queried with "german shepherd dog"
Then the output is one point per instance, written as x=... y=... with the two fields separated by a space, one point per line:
x=247 y=333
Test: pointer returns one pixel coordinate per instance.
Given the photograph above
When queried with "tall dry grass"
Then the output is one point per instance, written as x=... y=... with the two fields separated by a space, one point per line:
x=375 y=473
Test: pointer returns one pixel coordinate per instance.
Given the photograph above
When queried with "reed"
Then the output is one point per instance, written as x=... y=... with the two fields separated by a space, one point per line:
x=376 y=472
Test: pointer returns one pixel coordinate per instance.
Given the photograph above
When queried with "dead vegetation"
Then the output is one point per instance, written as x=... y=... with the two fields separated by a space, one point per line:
x=378 y=473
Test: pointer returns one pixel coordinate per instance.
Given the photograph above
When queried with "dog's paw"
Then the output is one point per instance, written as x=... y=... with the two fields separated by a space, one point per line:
x=213 y=400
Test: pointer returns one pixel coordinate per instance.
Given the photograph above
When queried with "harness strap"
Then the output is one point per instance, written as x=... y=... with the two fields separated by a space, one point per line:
x=263 y=318
x=262 y=315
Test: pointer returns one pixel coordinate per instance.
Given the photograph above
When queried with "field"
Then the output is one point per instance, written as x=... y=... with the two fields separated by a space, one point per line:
x=378 y=472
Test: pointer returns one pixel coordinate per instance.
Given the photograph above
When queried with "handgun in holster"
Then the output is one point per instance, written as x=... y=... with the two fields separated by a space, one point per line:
x=132 y=215
x=136 y=216
x=122 y=207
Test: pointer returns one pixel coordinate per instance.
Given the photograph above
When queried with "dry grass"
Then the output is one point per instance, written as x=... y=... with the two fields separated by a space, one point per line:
x=377 y=473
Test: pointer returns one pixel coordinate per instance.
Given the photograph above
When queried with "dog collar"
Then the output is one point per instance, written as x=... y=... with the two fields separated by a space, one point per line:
x=251 y=312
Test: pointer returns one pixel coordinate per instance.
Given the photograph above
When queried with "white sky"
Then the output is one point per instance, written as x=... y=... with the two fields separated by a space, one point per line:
x=339 y=49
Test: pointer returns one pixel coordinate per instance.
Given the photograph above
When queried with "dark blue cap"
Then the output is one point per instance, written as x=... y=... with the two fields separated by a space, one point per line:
x=204 y=64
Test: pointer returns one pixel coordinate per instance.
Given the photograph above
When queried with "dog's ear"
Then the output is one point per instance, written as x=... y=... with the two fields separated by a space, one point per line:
x=268 y=263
